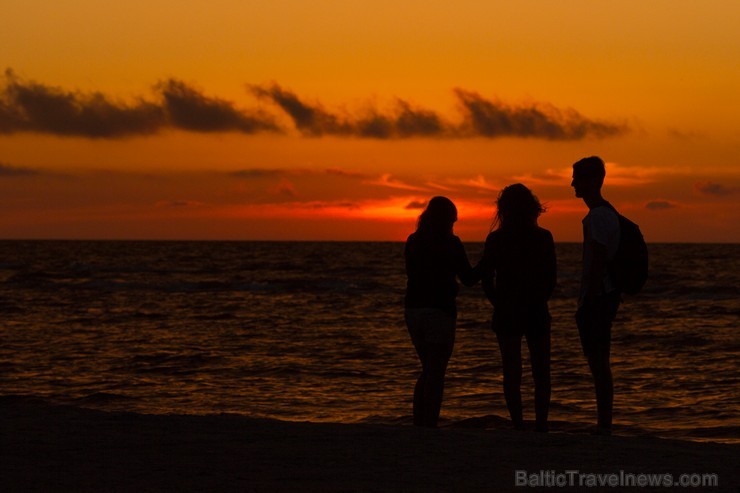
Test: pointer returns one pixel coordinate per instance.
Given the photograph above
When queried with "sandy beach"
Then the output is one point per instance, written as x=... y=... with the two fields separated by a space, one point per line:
x=53 y=448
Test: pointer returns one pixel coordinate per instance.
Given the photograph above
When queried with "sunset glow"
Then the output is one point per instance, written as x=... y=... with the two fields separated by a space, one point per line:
x=292 y=120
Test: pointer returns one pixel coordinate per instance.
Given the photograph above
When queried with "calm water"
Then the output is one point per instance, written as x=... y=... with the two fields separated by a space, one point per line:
x=314 y=331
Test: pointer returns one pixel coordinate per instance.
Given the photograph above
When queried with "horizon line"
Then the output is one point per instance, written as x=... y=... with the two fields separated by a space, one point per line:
x=227 y=240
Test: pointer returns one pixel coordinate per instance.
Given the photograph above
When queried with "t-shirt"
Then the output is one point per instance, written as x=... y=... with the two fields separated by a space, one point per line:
x=601 y=225
x=433 y=262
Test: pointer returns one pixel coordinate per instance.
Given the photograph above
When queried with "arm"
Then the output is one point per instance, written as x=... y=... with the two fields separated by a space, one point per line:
x=411 y=258
x=604 y=230
x=598 y=269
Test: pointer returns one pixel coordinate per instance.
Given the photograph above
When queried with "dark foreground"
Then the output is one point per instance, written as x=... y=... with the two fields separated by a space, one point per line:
x=47 y=448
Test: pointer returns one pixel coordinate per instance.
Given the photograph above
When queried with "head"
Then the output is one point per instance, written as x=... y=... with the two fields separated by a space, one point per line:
x=517 y=207
x=588 y=176
x=439 y=216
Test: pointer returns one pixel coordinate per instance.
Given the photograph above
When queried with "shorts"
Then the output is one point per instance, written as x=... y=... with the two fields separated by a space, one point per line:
x=529 y=321
x=430 y=326
x=594 y=319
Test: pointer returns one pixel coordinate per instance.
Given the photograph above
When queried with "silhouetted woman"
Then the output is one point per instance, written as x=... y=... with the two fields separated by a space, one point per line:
x=518 y=275
x=434 y=258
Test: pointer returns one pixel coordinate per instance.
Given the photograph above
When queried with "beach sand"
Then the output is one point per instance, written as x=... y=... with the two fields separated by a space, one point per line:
x=60 y=448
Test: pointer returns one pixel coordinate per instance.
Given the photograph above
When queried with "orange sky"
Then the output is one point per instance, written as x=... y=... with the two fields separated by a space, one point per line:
x=337 y=120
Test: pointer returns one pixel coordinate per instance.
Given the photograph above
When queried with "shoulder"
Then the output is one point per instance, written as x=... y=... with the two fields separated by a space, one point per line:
x=493 y=237
x=603 y=216
x=545 y=235
x=602 y=211
x=456 y=242
x=412 y=243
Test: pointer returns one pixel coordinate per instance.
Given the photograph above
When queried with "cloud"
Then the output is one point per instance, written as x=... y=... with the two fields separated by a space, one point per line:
x=437 y=186
x=416 y=204
x=387 y=180
x=33 y=107
x=284 y=188
x=309 y=119
x=714 y=189
x=549 y=177
x=189 y=109
x=28 y=106
x=482 y=118
x=257 y=173
x=7 y=170
x=412 y=122
x=479 y=183
x=659 y=205
x=312 y=119
x=342 y=172
x=486 y=118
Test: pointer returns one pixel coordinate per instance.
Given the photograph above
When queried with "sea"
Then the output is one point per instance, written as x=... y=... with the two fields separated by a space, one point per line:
x=307 y=331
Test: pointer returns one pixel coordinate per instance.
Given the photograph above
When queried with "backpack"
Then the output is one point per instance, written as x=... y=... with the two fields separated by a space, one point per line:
x=629 y=268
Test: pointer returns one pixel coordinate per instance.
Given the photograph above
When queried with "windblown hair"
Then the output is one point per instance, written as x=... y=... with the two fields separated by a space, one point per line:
x=517 y=208
x=438 y=217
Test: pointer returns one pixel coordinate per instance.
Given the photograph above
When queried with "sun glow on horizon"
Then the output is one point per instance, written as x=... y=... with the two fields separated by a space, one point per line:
x=245 y=120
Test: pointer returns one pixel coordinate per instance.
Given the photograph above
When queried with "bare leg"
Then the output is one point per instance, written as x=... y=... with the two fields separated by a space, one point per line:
x=511 y=358
x=600 y=366
x=419 y=387
x=429 y=388
x=539 y=354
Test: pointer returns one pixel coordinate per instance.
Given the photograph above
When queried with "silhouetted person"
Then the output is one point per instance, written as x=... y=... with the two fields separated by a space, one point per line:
x=434 y=258
x=599 y=297
x=518 y=272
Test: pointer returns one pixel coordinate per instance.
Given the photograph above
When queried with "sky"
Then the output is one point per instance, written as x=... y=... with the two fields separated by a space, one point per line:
x=339 y=120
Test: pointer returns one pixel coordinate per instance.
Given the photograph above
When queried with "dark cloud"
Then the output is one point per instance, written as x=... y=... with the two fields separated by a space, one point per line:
x=313 y=120
x=7 y=170
x=715 y=189
x=189 y=109
x=486 y=118
x=404 y=122
x=659 y=205
x=482 y=118
x=309 y=119
x=32 y=107
x=415 y=205
x=10 y=119
x=413 y=122
x=27 y=106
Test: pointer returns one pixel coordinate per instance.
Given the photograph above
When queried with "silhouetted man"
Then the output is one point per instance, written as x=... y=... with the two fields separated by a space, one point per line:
x=599 y=297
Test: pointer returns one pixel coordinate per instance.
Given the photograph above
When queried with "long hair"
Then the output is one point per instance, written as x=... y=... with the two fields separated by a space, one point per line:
x=517 y=208
x=438 y=217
